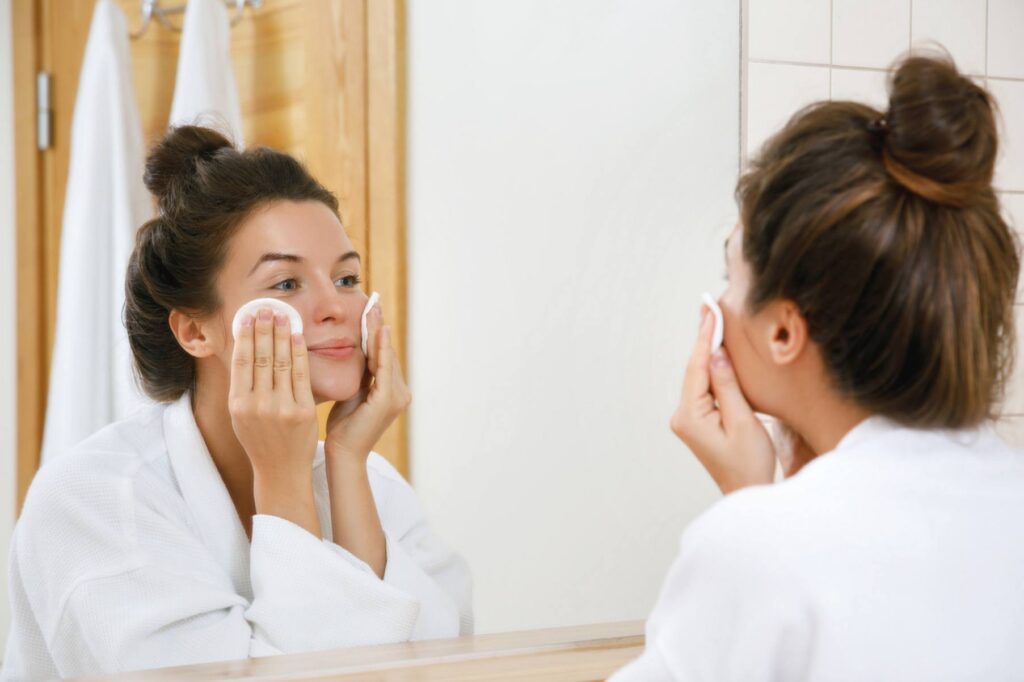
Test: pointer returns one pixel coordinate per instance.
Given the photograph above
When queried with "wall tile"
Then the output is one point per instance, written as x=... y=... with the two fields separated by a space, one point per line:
x=1005 y=43
x=869 y=33
x=789 y=30
x=1013 y=207
x=1010 y=166
x=775 y=92
x=861 y=86
x=957 y=25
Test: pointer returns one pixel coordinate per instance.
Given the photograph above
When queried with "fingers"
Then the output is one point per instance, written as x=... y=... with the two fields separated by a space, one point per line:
x=696 y=383
x=262 y=371
x=731 y=402
x=374 y=322
x=282 y=356
x=301 y=388
x=385 y=357
x=241 y=359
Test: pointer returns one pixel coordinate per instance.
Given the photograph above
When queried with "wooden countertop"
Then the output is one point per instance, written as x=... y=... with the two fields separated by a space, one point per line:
x=586 y=652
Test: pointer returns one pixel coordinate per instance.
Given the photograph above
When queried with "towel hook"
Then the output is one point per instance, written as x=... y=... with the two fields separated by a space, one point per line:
x=151 y=9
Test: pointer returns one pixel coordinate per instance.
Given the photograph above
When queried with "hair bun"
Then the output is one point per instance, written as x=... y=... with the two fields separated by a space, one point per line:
x=172 y=162
x=940 y=139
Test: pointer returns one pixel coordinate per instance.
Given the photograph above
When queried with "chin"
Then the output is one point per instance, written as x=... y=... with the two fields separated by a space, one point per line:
x=336 y=383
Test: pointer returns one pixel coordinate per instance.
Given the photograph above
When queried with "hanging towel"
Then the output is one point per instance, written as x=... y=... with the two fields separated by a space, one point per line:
x=205 y=90
x=91 y=380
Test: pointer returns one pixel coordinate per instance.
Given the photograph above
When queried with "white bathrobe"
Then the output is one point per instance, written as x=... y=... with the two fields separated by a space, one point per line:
x=897 y=556
x=204 y=88
x=129 y=554
x=91 y=383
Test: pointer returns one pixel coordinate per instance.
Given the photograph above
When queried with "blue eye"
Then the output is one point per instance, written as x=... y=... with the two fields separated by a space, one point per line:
x=286 y=285
x=348 y=281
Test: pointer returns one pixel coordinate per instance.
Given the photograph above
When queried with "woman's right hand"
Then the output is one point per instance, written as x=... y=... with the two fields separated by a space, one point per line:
x=274 y=415
x=716 y=422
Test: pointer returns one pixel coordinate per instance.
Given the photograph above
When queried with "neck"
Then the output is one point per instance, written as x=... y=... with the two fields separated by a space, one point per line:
x=210 y=407
x=824 y=421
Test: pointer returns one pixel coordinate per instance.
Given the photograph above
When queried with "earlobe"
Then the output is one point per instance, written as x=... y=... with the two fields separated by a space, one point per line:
x=191 y=334
x=788 y=333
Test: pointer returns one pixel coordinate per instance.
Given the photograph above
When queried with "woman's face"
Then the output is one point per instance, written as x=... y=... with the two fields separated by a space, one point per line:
x=299 y=253
x=746 y=335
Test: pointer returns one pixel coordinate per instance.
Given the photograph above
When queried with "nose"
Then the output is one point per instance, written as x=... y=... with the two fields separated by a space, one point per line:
x=328 y=304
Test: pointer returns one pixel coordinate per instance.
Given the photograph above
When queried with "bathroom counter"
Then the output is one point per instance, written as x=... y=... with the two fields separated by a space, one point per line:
x=586 y=652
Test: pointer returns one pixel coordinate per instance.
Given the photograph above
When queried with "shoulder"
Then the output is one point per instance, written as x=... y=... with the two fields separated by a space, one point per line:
x=94 y=482
x=767 y=533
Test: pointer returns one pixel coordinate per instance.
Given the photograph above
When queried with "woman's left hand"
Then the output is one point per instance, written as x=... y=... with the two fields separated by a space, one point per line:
x=354 y=426
x=716 y=422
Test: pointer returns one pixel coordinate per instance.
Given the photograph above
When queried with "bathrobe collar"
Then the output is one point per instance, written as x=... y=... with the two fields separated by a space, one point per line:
x=864 y=435
x=205 y=493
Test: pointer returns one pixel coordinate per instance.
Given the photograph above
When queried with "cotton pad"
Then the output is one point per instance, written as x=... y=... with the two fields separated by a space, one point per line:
x=374 y=297
x=278 y=306
x=718 y=333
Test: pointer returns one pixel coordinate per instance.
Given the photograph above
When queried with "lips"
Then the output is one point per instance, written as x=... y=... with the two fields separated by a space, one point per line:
x=336 y=349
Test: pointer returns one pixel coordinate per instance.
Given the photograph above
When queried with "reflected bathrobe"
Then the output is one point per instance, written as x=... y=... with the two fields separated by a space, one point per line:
x=897 y=556
x=129 y=554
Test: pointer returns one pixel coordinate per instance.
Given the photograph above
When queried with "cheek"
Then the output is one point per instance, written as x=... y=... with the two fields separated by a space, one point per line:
x=333 y=380
x=750 y=371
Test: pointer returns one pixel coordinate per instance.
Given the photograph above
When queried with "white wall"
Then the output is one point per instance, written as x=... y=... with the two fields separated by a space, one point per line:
x=8 y=420
x=799 y=51
x=571 y=168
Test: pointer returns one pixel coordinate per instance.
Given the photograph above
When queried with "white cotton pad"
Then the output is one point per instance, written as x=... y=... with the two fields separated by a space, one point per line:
x=278 y=306
x=719 y=332
x=374 y=297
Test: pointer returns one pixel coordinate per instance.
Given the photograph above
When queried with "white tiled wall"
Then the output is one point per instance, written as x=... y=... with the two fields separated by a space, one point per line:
x=799 y=51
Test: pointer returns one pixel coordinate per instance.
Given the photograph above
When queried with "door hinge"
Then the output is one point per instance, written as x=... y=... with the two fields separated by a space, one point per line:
x=44 y=114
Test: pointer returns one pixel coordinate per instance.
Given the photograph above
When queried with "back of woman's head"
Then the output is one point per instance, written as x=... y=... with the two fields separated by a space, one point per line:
x=884 y=230
x=205 y=188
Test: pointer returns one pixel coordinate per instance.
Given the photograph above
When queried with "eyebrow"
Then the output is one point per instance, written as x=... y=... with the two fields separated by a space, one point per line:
x=292 y=258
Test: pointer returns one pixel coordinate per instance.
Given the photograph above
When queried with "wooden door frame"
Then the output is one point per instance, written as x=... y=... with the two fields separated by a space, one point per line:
x=385 y=174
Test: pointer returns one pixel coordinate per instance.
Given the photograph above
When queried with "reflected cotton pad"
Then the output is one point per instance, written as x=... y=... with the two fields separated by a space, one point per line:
x=374 y=297
x=719 y=332
x=278 y=306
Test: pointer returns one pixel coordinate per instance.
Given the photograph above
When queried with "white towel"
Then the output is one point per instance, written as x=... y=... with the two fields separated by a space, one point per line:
x=205 y=90
x=91 y=383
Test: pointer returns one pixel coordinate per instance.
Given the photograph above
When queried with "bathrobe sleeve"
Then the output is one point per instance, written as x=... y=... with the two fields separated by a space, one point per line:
x=99 y=600
x=730 y=608
x=418 y=562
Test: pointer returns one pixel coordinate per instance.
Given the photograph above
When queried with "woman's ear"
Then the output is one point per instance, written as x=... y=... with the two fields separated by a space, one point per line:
x=192 y=334
x=787 y=332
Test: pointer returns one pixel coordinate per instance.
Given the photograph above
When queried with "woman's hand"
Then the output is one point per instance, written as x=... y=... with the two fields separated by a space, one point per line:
x=355 y=425
x=274 y=416
x=353 y=428
x=716 y=422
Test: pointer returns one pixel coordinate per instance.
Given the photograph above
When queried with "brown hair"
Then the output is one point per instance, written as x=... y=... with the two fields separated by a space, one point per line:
x=205 y=188
x=884 y=230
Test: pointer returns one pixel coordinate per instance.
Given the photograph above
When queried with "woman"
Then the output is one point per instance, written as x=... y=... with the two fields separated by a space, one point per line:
x=870 y=309
x=215 y=526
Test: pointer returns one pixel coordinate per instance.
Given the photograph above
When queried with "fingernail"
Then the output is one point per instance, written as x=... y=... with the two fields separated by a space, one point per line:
x=718 y=359
x=280 y=319
x=297 y=339
x=248 y=321
x=265 y=314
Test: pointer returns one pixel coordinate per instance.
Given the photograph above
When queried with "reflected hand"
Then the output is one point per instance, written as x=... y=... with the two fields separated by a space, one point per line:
x=716 y=422
x=354 y=426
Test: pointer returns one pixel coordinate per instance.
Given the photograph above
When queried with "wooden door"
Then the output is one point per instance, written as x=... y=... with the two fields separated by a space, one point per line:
x=319 y=79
